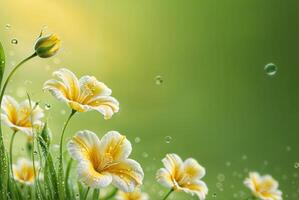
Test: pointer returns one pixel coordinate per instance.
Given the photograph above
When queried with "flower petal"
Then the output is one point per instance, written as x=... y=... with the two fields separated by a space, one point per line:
x=172 y=163
x=70 y=82
x=115 y=146
x=89 y=176
x=91 y=88
x=196 y=187
x=106 y=105
x=10 y=107
x=193 y=169
x=57 y=89
x=126 y=175
x=84 y=146
x=164 y=178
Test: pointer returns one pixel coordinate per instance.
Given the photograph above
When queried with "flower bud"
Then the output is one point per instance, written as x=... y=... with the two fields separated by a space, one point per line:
x=47 y=46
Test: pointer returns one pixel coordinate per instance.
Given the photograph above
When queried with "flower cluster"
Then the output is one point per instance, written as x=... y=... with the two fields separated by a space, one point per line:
x=101 y=162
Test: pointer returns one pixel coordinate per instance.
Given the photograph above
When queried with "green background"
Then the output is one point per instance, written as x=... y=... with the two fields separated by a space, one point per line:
x=216 y=101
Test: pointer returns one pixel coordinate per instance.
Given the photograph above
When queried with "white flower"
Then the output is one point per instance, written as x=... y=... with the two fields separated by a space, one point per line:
x=84 y=94
x=104 y=162
x=135 y=195
x=183 y=176
x=21 y=117
x=23 y=171
x=263 y=187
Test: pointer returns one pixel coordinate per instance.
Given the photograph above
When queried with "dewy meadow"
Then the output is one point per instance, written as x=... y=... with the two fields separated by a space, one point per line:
x=105 y=169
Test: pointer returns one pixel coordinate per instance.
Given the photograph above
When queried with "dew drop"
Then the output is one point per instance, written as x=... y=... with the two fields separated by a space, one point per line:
x=296 y=165
x=14 y=41
x=35 y=152
x=27 y=82
x=168 y=139
x=221 y=177
x=137 y=139
x=47 y=106
x=7 y=26
x=158 y=80
x=144 y=154
x=270 y=69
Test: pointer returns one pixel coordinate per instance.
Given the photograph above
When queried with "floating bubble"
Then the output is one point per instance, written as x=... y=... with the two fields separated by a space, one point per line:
x=270 y=69
x=221 y=177
x=144 y=154
x=296 y=165
x=228 y=164
x=214 y=195
x=47 y=106
x=27 y=82
x=158 y=80
x=137 y=139
x=7 y=26
x=2 y=61
x=288 y=148
x=168 y=139
x=14 y=41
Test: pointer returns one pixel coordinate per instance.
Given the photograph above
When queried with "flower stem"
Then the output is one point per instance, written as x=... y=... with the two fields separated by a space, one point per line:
x=86 y=193
x=10 y=151
x=12 y=73
x=60 y=167
x=168 y=194
x=3 y=161
x=96 y=194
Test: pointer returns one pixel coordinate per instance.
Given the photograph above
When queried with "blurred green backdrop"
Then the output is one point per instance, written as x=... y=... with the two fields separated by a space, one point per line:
x=216 y=103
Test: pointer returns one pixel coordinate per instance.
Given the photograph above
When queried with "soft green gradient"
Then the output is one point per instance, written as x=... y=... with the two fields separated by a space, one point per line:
x=216 y=102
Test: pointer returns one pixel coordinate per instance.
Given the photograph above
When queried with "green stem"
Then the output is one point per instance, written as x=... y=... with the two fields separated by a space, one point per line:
x=111 y=195
x=2 y=148
x=96 y=194
x=86 y=193
x=167 y=195
x=10 y=151
x=67 y=174
x=12 y=73
x=60 y=167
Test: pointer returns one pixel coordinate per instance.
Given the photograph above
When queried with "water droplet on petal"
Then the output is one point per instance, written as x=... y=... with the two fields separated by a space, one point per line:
x=14 y=41
x=168 y=139
x=270 y=69
x=158 y=80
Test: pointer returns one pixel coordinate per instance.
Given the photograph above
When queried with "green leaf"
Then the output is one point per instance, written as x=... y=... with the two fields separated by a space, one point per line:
x=46 y=134
x=96 y=193
x=66 y=180
x=50 y=173
x=2 y=63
